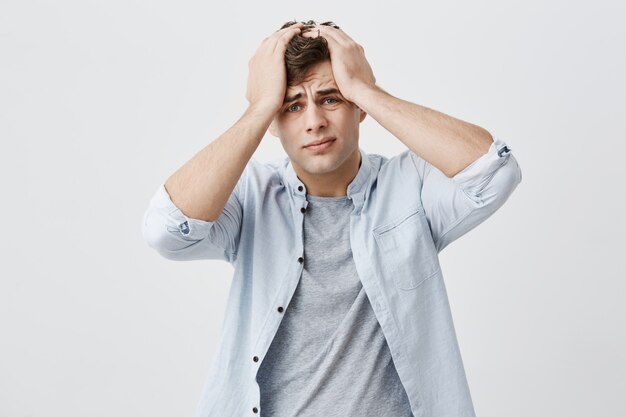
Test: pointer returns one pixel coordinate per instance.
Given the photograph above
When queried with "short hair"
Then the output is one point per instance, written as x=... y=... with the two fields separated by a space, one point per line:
x=303 y=52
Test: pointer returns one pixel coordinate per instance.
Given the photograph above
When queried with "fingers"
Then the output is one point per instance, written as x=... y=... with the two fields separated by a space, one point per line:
x=283 y=40
x=276 y=42
x=296 y=27
x=339 y=34
x=331 y=34
x=297 y=24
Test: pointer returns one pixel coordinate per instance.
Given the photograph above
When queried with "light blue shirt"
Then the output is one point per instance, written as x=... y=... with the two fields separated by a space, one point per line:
x=405 y=212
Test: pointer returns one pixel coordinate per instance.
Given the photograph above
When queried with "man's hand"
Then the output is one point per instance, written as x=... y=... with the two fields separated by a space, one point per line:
x=267 y=77
x=351 y=70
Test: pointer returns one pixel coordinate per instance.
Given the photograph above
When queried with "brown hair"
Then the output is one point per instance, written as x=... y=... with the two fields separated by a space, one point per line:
x=302 y=52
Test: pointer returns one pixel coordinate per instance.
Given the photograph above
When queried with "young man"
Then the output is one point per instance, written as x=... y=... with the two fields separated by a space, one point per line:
x=337 y=306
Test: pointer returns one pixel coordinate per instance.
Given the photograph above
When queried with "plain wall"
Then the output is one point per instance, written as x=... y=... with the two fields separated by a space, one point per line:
x=100 y=101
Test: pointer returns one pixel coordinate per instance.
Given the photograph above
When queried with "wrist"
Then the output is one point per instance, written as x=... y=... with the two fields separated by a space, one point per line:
x=265 y=110
x=366 y=95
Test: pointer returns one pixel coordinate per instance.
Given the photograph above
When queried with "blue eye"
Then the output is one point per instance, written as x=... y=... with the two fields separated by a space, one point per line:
x=288 y=109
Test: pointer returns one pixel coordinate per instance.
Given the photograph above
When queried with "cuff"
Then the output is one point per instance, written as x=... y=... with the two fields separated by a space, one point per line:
x=473 y=178
x=177 y=221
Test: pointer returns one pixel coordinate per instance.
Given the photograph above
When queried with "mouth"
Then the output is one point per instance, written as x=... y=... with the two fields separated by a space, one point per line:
x=320 y=145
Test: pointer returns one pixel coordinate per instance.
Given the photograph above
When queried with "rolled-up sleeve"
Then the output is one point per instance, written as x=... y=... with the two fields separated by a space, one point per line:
x=454 y=206
x=176 y=236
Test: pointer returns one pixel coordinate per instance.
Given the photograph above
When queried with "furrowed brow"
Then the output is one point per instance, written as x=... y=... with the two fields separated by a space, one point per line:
x=324 y=92
x=327 y=92
x=289 y=99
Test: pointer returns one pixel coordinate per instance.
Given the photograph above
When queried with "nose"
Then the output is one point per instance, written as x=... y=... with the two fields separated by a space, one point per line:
x=315 y=119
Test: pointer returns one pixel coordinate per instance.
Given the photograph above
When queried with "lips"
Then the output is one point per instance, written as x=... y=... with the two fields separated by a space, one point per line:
x=318 y=142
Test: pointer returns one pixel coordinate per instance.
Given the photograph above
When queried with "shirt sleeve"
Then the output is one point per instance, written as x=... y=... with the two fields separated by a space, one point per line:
x=454 y=206
x=178 y=237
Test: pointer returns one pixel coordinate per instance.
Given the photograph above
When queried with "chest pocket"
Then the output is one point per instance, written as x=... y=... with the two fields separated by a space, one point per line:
x=407 y=250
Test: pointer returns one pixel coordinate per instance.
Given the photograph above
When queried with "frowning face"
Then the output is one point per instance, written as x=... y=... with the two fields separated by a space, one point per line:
x=315 y=110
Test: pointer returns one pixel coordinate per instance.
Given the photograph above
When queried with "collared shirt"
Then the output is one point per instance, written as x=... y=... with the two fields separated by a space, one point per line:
x=405 y=212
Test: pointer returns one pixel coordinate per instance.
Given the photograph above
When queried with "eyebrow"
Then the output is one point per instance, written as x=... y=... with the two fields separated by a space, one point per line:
x=327 y=91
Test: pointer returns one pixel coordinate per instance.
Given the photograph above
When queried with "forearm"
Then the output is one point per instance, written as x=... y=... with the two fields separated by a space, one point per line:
x=202 y=186
x=447 y=143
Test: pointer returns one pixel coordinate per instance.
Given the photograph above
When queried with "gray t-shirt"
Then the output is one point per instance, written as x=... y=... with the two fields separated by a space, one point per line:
x=329 y=357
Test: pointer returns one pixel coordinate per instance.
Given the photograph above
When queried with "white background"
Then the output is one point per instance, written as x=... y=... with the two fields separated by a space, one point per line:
x=100 y=101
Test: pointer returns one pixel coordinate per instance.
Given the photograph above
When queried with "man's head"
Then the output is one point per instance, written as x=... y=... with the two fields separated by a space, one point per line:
x=313 y=111
x=304 y=52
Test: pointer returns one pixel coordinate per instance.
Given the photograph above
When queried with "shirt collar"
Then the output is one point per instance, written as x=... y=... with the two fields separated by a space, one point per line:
x=356 y=188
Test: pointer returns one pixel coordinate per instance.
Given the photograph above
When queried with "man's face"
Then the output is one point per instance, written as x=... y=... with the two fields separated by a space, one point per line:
x=317 y=114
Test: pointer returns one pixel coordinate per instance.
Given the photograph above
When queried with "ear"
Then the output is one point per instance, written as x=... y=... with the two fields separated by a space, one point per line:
x=362 y=115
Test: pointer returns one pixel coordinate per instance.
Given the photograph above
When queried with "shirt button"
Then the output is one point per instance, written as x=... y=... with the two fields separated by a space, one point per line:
x=302 y=210
x=255 y=410
x=184 y=228
x=280 y=309
x=300 y=188
x=256 y=359
x=503 y=150
x=301 y=259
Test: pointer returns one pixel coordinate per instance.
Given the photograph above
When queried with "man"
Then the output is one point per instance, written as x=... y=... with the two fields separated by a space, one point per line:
x=337 y=305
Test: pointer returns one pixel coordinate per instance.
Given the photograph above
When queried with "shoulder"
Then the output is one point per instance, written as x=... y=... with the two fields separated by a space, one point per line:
x=398 y=167
x=261 y=174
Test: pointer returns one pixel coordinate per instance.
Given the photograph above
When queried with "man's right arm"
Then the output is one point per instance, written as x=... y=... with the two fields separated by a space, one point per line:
x=196 y=213
x=201 y=187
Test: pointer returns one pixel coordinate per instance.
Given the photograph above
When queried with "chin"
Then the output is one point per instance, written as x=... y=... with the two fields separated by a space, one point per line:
x=319 y=167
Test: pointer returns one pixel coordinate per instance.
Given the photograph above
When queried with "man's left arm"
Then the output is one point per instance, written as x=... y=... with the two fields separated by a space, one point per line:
x=466 y=173
x=443 y=141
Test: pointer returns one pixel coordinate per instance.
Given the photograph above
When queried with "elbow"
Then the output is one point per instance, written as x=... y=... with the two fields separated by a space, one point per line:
x=502 y=184
x=154 y=234
x=157 y=236
x=171 y=243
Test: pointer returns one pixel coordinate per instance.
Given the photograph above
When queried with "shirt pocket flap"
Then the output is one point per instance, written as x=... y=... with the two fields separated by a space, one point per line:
x=407 y=251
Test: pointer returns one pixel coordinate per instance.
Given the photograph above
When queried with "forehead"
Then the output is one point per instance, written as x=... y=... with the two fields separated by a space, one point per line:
x=318 y=76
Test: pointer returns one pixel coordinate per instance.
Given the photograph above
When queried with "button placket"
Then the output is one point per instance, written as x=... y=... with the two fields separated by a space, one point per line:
x=300 y=189
x=255 y=359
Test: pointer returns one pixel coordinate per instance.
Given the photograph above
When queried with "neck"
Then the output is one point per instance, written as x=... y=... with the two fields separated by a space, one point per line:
x=332 y=184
